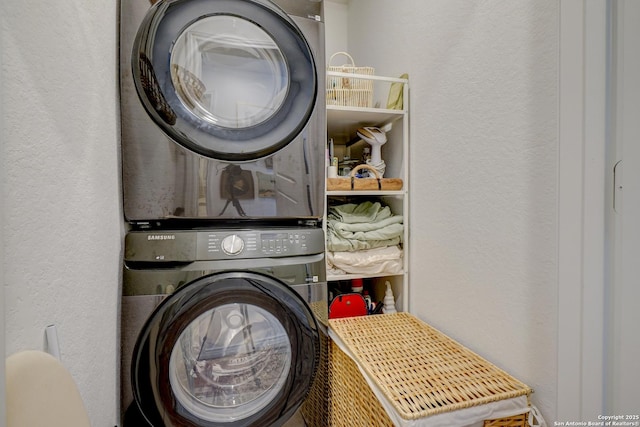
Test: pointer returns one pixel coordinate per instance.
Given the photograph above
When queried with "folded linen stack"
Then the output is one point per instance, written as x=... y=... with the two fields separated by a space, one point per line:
x=364 y=238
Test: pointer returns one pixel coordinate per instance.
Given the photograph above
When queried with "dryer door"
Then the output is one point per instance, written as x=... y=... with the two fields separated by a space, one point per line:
x=233 y=80
x=229 y=349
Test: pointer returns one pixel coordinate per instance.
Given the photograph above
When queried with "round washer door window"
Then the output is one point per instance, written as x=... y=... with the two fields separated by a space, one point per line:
x=227 y=349
x=230 y=79
x=233 y=359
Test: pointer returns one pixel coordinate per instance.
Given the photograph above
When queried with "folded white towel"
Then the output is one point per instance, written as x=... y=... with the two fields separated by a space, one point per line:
x=387 y=260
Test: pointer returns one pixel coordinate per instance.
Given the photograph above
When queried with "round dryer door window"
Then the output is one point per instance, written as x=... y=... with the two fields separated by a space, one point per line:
x=227 y=349
x=230 y=79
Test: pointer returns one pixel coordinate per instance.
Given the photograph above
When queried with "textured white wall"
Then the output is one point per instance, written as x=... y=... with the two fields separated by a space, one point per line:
x=2 y=180
x=61 y=205
x=336 y=28
x=484 y=142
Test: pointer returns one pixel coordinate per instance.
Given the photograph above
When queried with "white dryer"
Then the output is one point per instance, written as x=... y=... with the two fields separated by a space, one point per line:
x=221 y=112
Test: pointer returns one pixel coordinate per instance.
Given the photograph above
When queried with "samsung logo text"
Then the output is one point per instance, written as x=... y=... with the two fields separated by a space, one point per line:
x=161 y=237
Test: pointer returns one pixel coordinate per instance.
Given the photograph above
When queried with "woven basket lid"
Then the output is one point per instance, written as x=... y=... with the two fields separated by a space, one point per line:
x=421 y=371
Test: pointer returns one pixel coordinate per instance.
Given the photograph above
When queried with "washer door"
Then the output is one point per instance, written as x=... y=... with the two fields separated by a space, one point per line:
x=233 y=80
x=229 y=349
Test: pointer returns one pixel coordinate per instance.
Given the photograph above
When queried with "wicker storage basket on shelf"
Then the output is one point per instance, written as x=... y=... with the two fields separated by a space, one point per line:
x=419 y=370
x=349 y=91
x=351 y=183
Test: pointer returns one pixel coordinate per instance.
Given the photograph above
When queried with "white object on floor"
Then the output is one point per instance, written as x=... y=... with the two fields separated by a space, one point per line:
x=53 y=346
x=389 y=300
x=41 y=392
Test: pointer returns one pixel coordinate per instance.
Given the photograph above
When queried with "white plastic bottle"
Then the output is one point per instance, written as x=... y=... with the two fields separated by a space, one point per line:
x=389 y=301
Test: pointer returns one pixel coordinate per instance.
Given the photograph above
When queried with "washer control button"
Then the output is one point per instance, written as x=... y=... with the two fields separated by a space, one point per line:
x=232 y=245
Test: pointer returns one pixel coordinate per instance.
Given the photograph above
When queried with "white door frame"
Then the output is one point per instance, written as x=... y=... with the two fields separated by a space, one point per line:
x=623 y=293
x=2 y=244
x=581 y=209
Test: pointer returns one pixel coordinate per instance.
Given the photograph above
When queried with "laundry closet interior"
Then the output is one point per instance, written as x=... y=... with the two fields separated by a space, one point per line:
x=179 y=211
x=266 y=182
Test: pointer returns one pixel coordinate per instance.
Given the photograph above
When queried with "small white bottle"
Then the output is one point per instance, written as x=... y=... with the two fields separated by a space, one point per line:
x=389 y=301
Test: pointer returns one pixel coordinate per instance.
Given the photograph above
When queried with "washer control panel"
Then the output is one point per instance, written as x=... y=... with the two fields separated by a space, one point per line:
x=221 y=244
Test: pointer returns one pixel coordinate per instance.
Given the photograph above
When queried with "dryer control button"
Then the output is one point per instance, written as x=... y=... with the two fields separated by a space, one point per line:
x=232 y=245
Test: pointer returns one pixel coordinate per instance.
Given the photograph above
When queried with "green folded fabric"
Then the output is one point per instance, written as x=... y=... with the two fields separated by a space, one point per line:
x=395 y=101
x=367 y=225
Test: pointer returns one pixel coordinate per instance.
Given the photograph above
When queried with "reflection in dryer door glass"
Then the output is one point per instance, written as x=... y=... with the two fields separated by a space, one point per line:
x=230 y=362
x=229 y=72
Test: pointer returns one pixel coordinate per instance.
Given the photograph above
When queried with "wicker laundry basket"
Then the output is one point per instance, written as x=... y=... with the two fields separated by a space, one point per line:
x=419 y=370
x=315 y=408
x=349 y=91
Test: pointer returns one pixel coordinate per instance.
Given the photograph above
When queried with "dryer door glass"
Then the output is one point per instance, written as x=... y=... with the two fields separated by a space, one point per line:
x=230 y=362
x=233 y=80
x=229 y=72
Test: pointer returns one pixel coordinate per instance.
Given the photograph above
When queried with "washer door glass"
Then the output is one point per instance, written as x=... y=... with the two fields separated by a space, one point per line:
x=230 y=362
x=228 y=79
x=233 y=348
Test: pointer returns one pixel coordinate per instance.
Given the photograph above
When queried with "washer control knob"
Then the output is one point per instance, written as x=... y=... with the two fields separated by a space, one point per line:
x=232 y=245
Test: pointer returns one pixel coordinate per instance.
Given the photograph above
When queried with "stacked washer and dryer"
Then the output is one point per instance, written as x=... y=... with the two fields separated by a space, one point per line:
x=223 y=143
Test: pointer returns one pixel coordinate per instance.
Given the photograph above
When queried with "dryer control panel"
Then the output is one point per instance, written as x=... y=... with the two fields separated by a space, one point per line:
x=221 y=244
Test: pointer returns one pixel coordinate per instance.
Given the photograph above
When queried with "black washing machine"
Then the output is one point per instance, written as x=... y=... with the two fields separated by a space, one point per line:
x=220 y=327
x=222 y=109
